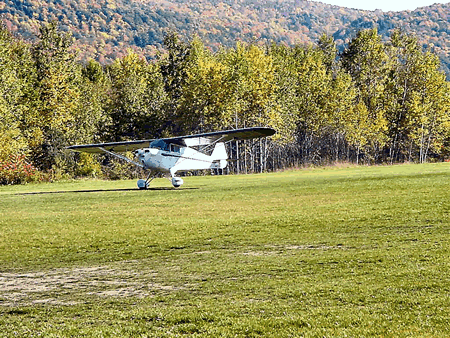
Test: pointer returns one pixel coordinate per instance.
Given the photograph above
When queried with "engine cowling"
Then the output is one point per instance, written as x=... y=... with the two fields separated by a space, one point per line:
x=177 y=181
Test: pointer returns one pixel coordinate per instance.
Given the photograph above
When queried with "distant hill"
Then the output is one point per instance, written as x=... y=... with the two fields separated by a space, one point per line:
x=104 y=29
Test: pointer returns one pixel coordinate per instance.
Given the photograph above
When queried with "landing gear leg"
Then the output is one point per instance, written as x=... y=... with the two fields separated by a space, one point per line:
x=143 y=184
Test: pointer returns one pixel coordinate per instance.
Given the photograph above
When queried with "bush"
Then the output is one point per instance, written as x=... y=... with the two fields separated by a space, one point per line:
x=88 y=166
x=16 y=170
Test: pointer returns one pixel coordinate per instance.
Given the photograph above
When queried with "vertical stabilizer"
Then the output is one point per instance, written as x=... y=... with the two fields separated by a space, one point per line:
x=219 y=152
x=219 y=155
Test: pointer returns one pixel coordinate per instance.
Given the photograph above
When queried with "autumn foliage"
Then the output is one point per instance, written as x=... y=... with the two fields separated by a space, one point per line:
x=374 y=102
x=16 y=170
x=105 y=29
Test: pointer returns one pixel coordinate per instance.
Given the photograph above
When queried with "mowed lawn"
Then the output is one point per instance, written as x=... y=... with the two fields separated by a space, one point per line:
x=334 y=252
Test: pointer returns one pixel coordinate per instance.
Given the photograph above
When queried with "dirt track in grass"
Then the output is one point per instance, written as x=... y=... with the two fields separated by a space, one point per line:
x=62 y=286
x=135 y=278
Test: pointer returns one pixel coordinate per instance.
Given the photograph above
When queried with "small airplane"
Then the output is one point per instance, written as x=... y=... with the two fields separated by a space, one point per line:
x=173 y=154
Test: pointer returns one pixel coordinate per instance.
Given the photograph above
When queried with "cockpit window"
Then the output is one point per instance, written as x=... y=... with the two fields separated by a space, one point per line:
x=159 y=144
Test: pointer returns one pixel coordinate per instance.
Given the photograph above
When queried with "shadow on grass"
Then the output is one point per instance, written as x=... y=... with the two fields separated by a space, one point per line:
x=100 y=190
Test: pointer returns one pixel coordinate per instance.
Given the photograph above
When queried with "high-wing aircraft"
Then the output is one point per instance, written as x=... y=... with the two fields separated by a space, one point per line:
x=173 y=154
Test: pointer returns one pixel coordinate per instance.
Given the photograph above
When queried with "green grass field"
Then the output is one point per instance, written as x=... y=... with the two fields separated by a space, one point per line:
x=334 y=252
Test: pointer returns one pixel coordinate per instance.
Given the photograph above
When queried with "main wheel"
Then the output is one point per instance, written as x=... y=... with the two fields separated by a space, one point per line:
x=142 y=184
x=177 y=181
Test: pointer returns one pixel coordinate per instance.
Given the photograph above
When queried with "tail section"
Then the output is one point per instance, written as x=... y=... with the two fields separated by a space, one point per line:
x=219 y=155
x=219 y=152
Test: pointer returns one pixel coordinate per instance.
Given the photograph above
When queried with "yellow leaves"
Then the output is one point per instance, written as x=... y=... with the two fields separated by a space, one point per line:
x=88 y=165
x=105 y=35
x=446 y=128
x=11 y=138
x=131 y=63
x=236 y=86
x=111 y=4
x=357 y=128
x=11 y=142
x=207 y=89
x=34 y=137
x=363 y=129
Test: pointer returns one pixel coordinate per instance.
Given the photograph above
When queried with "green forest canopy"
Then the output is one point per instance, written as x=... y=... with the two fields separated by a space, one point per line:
x=376 y=102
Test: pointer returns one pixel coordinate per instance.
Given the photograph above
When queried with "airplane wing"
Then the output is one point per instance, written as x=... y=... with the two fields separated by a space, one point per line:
x=185 y=141
x=117 y=147
x=221 y=136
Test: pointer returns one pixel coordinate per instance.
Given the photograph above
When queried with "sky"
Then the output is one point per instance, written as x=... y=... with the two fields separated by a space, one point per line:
x=384 y=5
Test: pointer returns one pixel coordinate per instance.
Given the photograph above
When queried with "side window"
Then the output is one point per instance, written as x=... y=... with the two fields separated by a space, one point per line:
x=174 y=148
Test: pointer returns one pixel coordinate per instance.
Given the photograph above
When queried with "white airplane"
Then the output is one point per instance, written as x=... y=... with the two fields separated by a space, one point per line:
x=170 y=155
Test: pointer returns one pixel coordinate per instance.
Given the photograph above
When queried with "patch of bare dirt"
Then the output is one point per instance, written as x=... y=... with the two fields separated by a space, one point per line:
x=68 y=286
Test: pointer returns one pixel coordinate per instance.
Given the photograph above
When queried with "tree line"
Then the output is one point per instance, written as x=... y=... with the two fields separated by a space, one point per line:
x=376 y=102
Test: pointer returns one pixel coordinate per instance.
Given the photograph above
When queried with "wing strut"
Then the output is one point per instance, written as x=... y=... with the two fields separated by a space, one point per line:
x=121 y=157
x=211 y=144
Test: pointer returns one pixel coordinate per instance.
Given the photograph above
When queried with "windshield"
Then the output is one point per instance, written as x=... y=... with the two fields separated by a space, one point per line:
x=159 y=144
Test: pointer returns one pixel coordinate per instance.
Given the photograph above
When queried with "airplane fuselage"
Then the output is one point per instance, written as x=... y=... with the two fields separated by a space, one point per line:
x=156 y=159
x=174 y=158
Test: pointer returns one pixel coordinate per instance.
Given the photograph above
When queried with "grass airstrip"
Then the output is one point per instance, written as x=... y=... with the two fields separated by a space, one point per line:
x=334 y=252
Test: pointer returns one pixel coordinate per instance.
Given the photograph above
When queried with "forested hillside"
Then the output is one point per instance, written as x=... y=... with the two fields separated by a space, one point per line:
x=104 y=29
x=375 y=102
